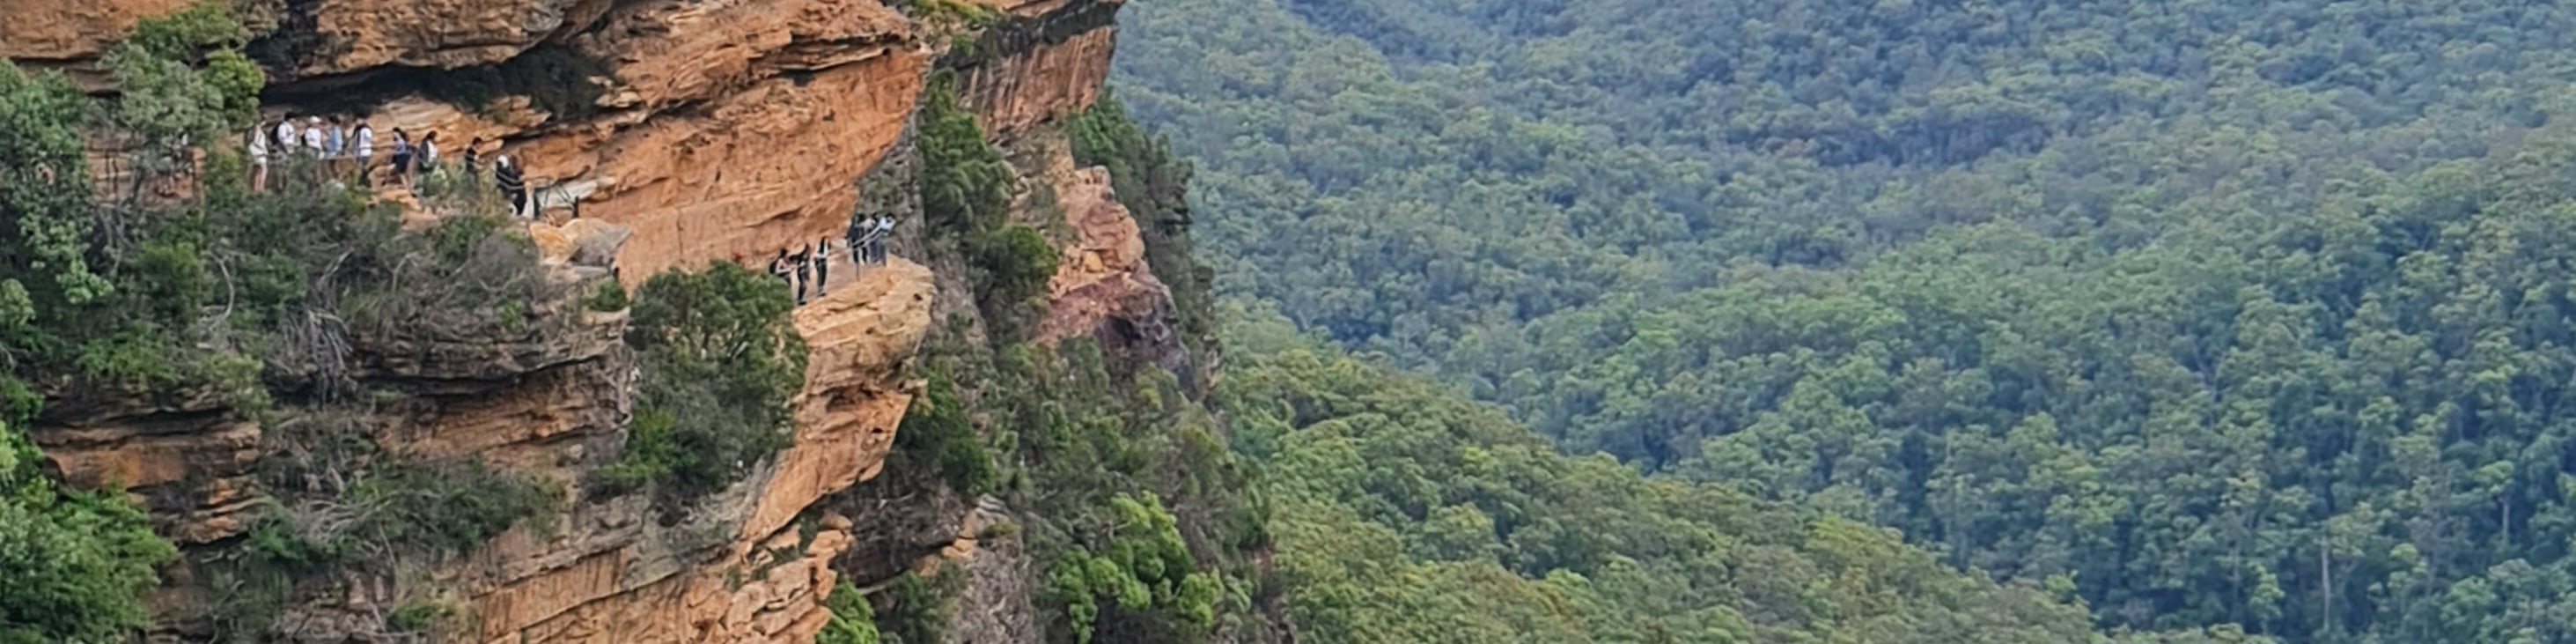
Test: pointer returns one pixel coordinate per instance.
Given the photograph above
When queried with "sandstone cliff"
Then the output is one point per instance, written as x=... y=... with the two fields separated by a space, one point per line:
x=721 y=130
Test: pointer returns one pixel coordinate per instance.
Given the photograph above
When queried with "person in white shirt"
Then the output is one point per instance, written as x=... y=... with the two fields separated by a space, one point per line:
x=428 y=151
x=313 y=136
x=286 y=137
x=259 y=157
x=876 y=247
x=366 y=149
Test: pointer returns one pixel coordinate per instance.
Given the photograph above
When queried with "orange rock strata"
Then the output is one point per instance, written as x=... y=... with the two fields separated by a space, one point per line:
x=761 y=582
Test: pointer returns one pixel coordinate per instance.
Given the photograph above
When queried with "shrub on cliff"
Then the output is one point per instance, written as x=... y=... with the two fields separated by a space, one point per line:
x=1144 y=565
x=936 y=431
x=1010 y=273
x=720 y=357
x=965 y=186
x=853 y=621
x=73 y=561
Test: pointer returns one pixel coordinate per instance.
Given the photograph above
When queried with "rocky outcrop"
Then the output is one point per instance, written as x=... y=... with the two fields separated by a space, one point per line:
x=730 y=129
x=741 y=571
x=724 y=130
x=1103 y=287
x=343 y=36
x=1102 y=273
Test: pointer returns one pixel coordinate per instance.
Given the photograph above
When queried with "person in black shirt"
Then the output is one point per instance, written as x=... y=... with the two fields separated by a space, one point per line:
x=804 y=266
x=779 y=268
x=822 y=264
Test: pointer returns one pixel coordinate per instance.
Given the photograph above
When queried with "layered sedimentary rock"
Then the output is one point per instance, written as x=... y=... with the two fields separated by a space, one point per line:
x=615 y=576
x=187 y=459
x=72 y=30
x=1015 y=93
x=1102 y=274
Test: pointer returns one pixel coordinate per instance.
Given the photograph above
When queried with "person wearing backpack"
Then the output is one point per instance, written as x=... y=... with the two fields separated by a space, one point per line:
x=505 y=175
x=779 y=268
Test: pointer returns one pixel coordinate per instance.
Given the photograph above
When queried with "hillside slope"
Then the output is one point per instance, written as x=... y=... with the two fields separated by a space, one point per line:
x=2228 y=314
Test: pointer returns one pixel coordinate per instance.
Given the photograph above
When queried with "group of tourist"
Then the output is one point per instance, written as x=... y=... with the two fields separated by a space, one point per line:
x=346 y=149
x=807 y=270
x=867 y=237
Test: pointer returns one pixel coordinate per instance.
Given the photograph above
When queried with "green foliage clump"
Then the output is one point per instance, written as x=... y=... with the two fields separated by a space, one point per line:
x=45 y=200
x=183 y=81
x=77 y=562
x=720 y=359
x=608 y=296
x=853 y=620
x=1145 y=564
x=919 y=606
x=936 y=430
x=965 y=186
x=1013 y=265
x=397 y=512
x=1100 y=452
x=955 y=13
x=419 y=616
x=966 y=201
x=450 y=507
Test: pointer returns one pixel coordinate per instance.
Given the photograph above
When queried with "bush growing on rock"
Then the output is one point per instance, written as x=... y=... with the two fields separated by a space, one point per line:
x=75 y=561
x=720 y=356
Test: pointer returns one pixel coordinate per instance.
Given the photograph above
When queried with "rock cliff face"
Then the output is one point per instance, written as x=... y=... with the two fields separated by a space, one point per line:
x=722 y=130
x=743 y=573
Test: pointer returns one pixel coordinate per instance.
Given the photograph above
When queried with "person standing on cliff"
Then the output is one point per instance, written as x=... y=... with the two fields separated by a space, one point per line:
x=365 y=142
x=856 y=238
x=428 y=152
x=320 y=170
x=822 y=264
x=402 y=158
x=259 y=157
x=803 y=263
x=876 y=242
x=505 y=174
x=780 y=268
x=285 y=142
x=335 y=144
x=313 y=136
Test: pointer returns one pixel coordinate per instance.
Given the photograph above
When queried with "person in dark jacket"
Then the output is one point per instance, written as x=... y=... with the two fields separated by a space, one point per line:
x=505 y=174
x=822 y=264
x=803 y=263
x=780 y=268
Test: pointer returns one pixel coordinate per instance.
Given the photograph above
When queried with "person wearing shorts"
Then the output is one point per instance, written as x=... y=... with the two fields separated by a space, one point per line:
x=402 y=157
x=259 y=157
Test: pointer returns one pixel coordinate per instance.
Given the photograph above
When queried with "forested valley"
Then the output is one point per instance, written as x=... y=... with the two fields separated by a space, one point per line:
x=2217 y=320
